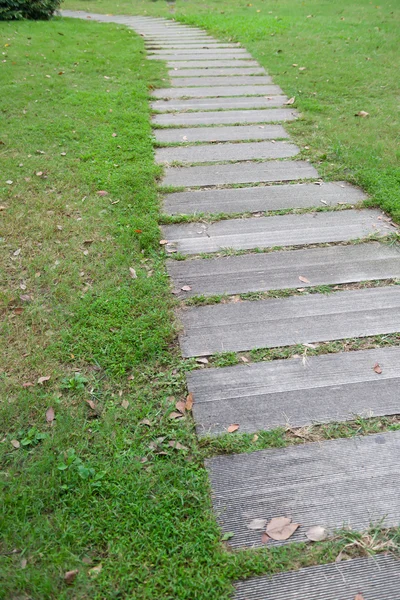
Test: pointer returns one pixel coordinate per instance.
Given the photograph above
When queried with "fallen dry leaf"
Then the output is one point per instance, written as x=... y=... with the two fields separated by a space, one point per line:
x=27 y=384
x=281 y=528
x=24 y=562
x=163 y=242
x=15 y=443
x=377 y=368
x=233 y=427
x=91 y=404
x=50 y=415
x=256 y=524
x=145 y=422
x=186 y=288
x=362 y=113
x=304 y=279
x=202 y=361
x=41 y=380
x=254 y=438
x=189 y=402
x=132 y=272
x=359 y=597
x=316 y=533
x=244 y=359
x=125 y=404
x=181 y=406
x=70 y=576
x=265 y=538
x=95 y=571
x=291 y=100
x=177 y=445
x=102 y=193
x=176 y=415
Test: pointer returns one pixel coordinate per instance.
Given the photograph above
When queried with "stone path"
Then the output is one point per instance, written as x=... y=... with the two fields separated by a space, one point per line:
x=222 y=120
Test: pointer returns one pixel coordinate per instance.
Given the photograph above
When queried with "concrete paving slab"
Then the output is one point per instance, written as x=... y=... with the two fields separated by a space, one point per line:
x=281 y=270
x=276 y=197
x=218 y=71
x=218 y=91
x=271 y=232
x=342 y=482
x=230 y=117
x=230 y=174
x=216 y=81
x=220 y=134
x=205 y=64
x=378 y=577
x=239 y=102
x=200 y=52
x=271 y=323
x=296 y=393
x=150 y=46
x=226 y=152
x=195 y=55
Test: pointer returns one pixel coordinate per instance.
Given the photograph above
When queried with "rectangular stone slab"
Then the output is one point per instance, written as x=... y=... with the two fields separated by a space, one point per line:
x=211 y=81
x=239 y=102
x=378 y=577
x=272 y=197
x=220 y=72
x=187 y=45
x=196 y=54
x=296 y=393
x=229 y=117
x=218 y=91
x=281 y=270
x=352 y=482
x=205 y=64
x=220 y=134
x=226 y=152
x=277 y=322
x=248 y=173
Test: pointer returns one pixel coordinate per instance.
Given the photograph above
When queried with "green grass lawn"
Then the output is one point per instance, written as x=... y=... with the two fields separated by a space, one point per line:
x=90 y=490
x=350 y=53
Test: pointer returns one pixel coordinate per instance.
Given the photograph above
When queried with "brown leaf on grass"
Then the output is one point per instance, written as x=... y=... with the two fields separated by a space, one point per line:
x=25 y=298
x=95 y=571
x=316 y=533
x=202 y=361
x=181 y=406
x=91 y=404
x=265 y=538
x=291 y=100
x=114 y=135
x=125 y=404
x=70 y=576
x=304 y=279
x=254 y=438
x=132 y=273
x=102 y=193
x=177 y=445
x=15 y=443
x=27 y=384
x=189 y=401
x=377 y=368
x=281 y=528
x=233 y=427
x=362 y=113
x=41 y=380
x=50 y=415
x=145 y=422
x=176 y=415
x=24 y=562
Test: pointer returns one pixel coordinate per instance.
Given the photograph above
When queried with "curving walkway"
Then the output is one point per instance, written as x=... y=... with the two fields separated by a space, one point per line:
x=229 y=160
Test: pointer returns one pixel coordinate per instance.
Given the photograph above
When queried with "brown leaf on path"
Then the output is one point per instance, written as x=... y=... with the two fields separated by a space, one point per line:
x=233 y=427
x=256 y=524
x=189 y=401
x=70 y=576
x=41 y=380
x=102 y=193
x=316 y=533
x=359 y=597
x=181 y=406
x=304 y=279
x=362 y=113
x=186 y=288
x=176 y=415
x=265 y=538
x=50 y=415
x=202 y=361
x=15 y=443
x=377 y=368
x=291 y=100
x=163 y=242
x=281 y=528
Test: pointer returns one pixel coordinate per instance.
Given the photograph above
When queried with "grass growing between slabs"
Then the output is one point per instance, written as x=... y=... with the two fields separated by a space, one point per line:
x=336 y=59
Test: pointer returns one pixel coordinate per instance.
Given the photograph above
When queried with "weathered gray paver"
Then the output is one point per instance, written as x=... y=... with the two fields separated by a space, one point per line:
x=239 y=102
x=296 y=393
x=218 y=91
x=218 y=71
x=248 y=172
x=229 y=117
x=281 y=270
x=277 y=322
x=377 y=577
x=272 y=197
x=216 y=81
x=196 y=54
x=214 y=64
x=226 y=152
x=220 y=134
x=186 y=45
x=335 y=483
